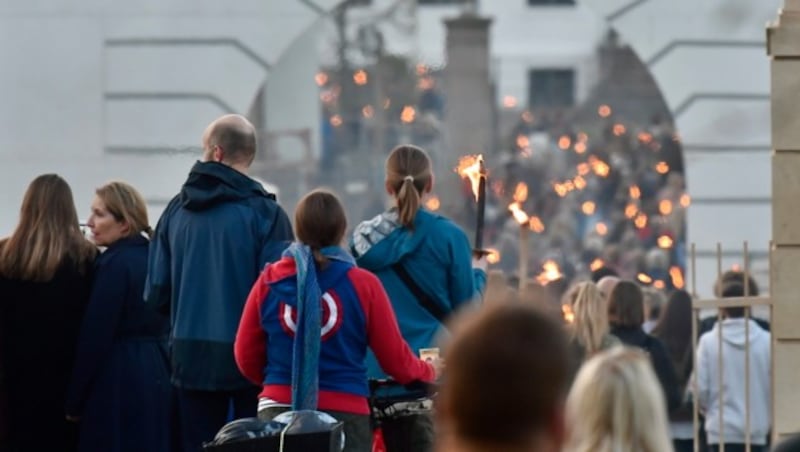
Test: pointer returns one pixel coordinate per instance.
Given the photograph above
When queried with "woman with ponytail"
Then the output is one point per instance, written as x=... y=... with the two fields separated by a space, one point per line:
x=120 y=390
x=425 y=263
x=301 y=366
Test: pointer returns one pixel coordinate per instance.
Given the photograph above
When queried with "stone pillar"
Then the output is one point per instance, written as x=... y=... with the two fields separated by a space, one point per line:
x=468 y=99
x=783 y=47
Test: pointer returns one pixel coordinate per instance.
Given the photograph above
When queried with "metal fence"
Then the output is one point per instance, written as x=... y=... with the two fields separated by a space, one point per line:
x=748 y=302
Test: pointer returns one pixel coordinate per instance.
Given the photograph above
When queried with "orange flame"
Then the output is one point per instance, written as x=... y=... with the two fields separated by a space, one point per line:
x=659 y=284
x=408 y=114
x=492 y=256
x=561 y=189
x=518 y=213
x=676 y=275
x=536 y=225
x=523 y=141
x=645 y=137
x=583 y=169
x=321 y=78
x=588 y=207
x=509 y=101
x=644 y=278
x=580 y=182
x=521 y=192
x=662 y=168
x=596 y=264
x=640 y=221
x=564 y=142
x=631 y=210
x=469 y=167
x=604 y=111
x=634 y=192
x=336 y=120
x=566 y=311
x=360 y=77
x=433 y=203
x=601 y=228
x=550 y=272
x=664 y=242
x=686 y=200
x=599 y=167
x=580 y=147
x=619 y=129
x=665 y=207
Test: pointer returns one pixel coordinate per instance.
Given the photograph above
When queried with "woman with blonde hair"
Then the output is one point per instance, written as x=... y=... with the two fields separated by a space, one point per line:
x=120 y=391
x=589 y=330
x=616 y=405
x=45 y=278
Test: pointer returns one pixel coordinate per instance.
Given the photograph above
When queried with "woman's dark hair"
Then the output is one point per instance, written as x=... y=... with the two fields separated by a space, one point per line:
x=320 y=221
x=674 y=328
x=408 y=173
x=626 y=305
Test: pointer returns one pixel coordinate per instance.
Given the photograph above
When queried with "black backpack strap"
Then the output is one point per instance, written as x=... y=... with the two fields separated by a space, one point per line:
x=423 y=298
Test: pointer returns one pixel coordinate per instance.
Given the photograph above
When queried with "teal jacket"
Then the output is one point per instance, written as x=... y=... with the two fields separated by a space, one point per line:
x=438 y=257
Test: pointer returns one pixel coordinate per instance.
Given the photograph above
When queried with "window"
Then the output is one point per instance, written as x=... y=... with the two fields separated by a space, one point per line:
x=551 y=2
x=551 y=88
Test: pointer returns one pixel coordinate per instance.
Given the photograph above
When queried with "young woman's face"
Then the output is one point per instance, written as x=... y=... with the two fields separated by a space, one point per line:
x=105 y=228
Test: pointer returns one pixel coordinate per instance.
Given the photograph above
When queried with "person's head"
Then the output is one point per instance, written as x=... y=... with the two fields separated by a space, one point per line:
x=409 y=175
x=733 y=290
x=606 y=284
x=505 y=380
x=654 y=299
x=591 y=316
x=674 y=327
x=319 y=220
x=231 y=140
x=118 y=211
x=616 y=404
x=602 y=272
x=736 y=277
x=48 y=232
x=626 y=305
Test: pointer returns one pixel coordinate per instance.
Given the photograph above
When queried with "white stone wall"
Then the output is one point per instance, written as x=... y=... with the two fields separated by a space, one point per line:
x=80 y=78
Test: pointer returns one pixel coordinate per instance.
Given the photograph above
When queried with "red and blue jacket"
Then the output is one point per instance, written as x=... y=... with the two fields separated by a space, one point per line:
x=356 y=315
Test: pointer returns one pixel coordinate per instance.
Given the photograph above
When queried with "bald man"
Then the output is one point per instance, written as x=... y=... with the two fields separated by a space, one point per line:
x=210 y=244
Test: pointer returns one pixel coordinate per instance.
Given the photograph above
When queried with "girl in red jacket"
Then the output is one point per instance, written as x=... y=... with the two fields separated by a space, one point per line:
x=317 y=283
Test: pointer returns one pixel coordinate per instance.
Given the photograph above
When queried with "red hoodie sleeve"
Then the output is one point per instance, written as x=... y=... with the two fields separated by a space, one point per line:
x=383 y=335
x=250 y=348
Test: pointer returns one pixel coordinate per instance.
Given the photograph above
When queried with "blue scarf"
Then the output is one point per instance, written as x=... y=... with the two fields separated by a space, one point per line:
x=307 y=340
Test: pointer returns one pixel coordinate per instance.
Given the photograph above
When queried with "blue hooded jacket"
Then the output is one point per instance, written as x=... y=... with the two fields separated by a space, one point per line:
x=438 y=257
x=209 y=247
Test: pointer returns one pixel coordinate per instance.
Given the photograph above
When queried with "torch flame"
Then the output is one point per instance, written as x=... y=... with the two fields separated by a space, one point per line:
x=644 y=278
x=631 y=210
x=659 y=284
x=566 y=310
x=686 y=200
x=634 y=192
x=664 y=242
x=640 y=221
x=665 y=207
x=588 y=207
x=492 y=256
x=518 y=213
x=583 y=169
x=471 y=167
x=550 y=272
x=433 y=203
x=580 y=182
x=536 y=225
x=596 y=264
x=521 y=193
x=676 y=275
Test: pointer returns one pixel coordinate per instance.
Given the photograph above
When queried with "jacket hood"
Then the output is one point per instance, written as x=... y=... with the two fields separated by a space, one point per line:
x=282 y=278
x=383 y=241
x=212 y=183
x=733 y=332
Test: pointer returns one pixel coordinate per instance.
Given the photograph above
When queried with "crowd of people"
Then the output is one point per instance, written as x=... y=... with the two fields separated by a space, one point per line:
x=155 y=339
x=609 y=194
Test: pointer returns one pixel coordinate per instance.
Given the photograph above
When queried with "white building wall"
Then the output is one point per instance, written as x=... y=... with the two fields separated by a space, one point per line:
x=79 y=76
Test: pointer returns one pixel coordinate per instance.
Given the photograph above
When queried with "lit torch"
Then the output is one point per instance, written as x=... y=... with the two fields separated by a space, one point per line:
x=471 y=167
